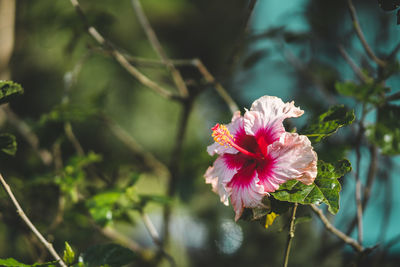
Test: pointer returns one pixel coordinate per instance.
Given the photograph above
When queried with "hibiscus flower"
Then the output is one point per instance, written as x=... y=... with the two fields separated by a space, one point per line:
x=256 y=154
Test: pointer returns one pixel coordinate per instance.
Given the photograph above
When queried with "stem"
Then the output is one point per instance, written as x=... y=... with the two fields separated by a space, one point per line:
x=345 y=238
x=218 y=87
x=156 y=237
x=361 y=36
x=242 y=34
x=28 y=222
x=352 y=64
x=174 y=166
x=176 y=75
x=290 y=236
x=119 y=57
x=113 y=234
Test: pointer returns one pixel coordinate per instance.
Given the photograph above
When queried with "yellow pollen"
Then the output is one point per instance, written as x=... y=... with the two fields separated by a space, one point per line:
x=222 y=135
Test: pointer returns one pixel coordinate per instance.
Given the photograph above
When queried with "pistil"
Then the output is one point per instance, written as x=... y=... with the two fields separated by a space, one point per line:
x=223 y=137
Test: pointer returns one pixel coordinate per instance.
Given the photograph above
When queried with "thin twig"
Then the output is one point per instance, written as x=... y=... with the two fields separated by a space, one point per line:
x=149 y=159
x=373 y=167
x=28 y=222
x=392 y=54
x=393 y=97
x=290 y=236
x=146 y=62
x=72 y=138
x=120 y=57
x=353 y=65
x=218 y=87
x=361 y=36
x=29 y=136
x=198 y=64
x=156 y=237
x=359 y=205
x=176 y=75
x=151 y=229
x=242 y=34
x=345 y=238
x=112 y=234
x=174 y=165
x=302 y=69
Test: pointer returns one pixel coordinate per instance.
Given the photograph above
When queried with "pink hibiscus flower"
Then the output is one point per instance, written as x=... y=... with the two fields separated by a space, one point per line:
x=256 y=154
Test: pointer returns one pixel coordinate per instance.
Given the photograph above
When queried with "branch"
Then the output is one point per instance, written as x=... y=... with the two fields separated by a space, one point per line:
x=218 y=87
x=373 y=167
x=112 y=234
x=28 y=222
x=198 y=64
x=353 y=65
x=290 y=236
x=299 y=66
x=345 y=238
x=393 y=97
x=120 y=57
x=361 y=36
x=242 y=33
x=149 y=159
x=174 y=165
x=156 y=237
x=176 y=75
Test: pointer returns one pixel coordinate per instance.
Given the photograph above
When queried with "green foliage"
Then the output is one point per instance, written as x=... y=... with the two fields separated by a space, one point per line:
x=328 y=123
x=13 y=263
x=67 y=112
x=9 y=89
x=8 y=144
x=109 y=254
x=325 y=188
x=73 y=174
x=102 y=206
x=109 y=205
x=386 y=132
x=369 y=92
x=69 y=254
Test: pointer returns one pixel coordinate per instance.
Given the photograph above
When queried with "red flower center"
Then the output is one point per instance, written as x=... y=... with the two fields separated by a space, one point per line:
x=222 y=136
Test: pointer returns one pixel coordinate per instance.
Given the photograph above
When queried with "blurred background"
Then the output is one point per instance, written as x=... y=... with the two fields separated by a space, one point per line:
x=87 y=130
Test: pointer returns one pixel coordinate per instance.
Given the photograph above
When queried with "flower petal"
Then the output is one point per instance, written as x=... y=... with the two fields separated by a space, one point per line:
x=294 y=158
x=245 y=190
x=233 y=127
x=218 y=176
x=274 y=108
x=268 y=112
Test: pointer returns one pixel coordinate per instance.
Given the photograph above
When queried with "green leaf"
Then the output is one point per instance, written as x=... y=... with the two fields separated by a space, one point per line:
x=109 y=254
x=325 y=188
x=73 y=174
x=8 y=144
x=9 y=89
x=69 y=255
x=13 y=262
x=328 y=123
x=369 y=92
x=386 y=132
x=101 y=206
